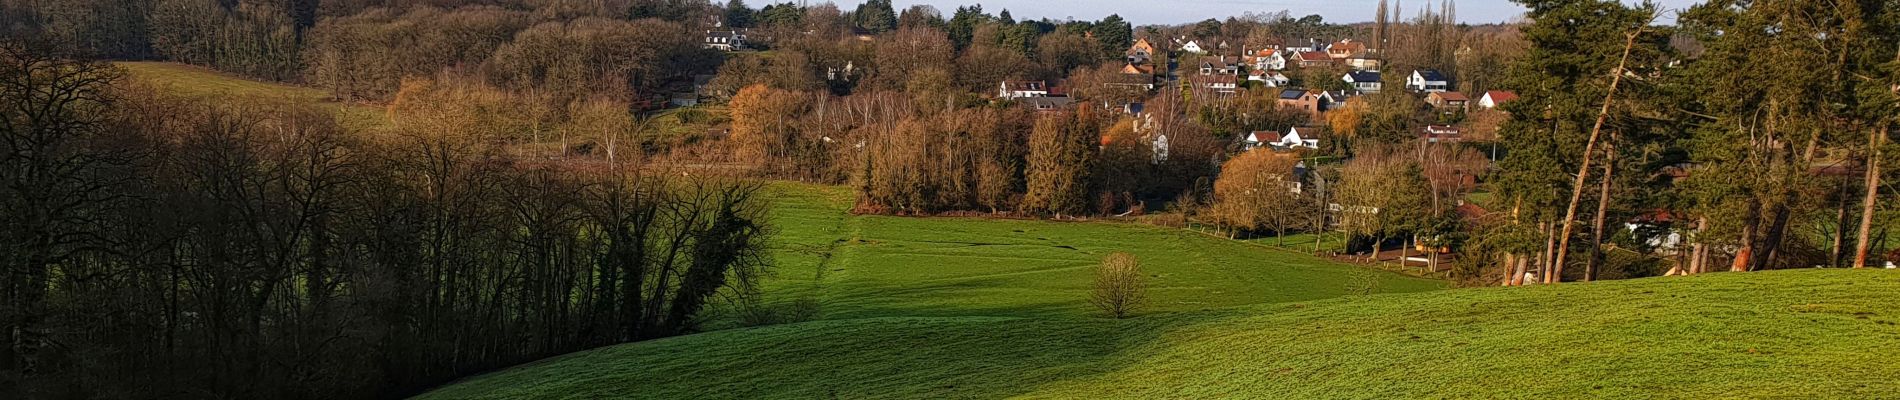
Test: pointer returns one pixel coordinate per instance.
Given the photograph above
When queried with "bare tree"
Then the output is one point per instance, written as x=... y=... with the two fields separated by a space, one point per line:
x=1119 y=290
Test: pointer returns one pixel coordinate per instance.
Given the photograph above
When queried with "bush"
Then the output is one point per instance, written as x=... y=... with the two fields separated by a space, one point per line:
x=1118 y=285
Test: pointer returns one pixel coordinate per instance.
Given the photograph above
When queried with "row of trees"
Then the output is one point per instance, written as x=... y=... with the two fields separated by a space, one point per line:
x=152 y=247
x=1675 y=126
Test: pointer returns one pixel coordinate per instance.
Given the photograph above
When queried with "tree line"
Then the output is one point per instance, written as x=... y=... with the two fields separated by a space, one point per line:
x=159 y=247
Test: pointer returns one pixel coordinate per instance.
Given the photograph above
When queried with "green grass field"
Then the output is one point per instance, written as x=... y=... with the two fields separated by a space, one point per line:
x=203 y=83
x=1782 y=334
x=877 y=266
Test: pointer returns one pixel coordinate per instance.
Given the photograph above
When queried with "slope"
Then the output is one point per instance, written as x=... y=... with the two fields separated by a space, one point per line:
x=1783 y=334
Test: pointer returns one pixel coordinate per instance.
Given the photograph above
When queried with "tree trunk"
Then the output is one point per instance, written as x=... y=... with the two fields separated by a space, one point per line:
x=1549 y=254
x=1837 y=255
x=1589 y=149
x=1743 y=257
x=1862 y=241
x=1603 y=209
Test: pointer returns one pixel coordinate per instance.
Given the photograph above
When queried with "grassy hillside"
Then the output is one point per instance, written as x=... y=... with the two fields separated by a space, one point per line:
x=1785 y=334
x=876 y=266
x=204 y=83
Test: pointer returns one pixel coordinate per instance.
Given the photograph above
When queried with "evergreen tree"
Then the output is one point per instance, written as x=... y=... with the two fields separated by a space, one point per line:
x=876 y=16
x=738 y=15
x=1114 y=34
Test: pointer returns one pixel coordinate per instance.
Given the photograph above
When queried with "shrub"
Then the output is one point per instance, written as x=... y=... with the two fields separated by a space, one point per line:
x=1118 y=285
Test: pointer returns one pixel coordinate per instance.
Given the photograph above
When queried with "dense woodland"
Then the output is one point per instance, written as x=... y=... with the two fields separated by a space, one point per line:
x=520 y=202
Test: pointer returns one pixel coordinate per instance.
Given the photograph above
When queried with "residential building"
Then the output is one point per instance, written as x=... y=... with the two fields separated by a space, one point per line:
x=1448 y=101
x=1426 y=81
x=724 y=40
x=1440 y=134
x=1493 y=99
x=1265 y=60
x=1345 y=48
x=1363 y=81
x=1193 y=46
x=1141 y=52
x=1021 y=89
x=1313 y=59
x=1269 y=78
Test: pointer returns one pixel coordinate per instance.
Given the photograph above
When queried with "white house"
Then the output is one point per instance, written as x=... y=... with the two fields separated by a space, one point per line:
x=1266 y=60
x=1426 y=81
x=1270 y=78
x=724 y=40
x=1494 y=98
x=1363 y=81
x=1293 y=138
x=1296 y=137
x=1193 y=46
x=1021 y=89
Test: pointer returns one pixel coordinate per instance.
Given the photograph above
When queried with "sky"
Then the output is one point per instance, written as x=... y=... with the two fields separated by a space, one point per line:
x=1145 y=12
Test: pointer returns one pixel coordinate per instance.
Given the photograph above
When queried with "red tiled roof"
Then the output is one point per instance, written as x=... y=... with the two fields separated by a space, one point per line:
x=1501 y=96
x=1451 y=96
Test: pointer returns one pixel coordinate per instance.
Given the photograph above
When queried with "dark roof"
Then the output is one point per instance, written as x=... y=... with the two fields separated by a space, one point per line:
x=1045 y=103
x=1364 y=76
x=1022 y=86
x=1292 y=94
x=1430 y=75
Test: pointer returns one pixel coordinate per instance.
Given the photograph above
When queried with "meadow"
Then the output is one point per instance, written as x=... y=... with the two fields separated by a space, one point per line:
x=861 y=266
x=1778 y=334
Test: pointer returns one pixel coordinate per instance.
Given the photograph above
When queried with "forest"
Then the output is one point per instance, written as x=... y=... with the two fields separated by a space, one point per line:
x=549 y=176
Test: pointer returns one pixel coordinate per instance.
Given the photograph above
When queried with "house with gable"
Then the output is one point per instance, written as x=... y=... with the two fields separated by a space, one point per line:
x=1426 y=81
x=1218 y=65
x=1022 y=89
x=1193 y=46
x=1492 y=99
x=1265 y=60
x=1141 y=52
x=1269 y=78
x=1293 y=138
x=1310 y=59
x=1447 y=101
x=1363 y=81
x=726 y=40
x=1345 y=48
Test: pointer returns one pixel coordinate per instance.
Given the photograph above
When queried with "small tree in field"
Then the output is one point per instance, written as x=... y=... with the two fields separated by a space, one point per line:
x=1118 y=286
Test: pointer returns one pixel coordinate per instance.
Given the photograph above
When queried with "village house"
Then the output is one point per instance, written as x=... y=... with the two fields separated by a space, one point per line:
x=1021 y=89
x=1046 y=104
x=724 y=40
x=1266 y=60
x=1269 y=78
x=1193 y=46
x=1365 y=82
x=1313 y=102
x=1447 y=101
x=1221 y=84
x=1440 y=134
x=1426 y=81
x=1492 y=99
x=1345 y=48
x=1141 y=52
x=1293 y=138
x=1363 y=61
x=1218 y=65
x=1308 y=59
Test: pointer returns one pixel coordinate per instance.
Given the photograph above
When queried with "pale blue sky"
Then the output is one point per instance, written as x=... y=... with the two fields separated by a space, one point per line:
x=1143 y=12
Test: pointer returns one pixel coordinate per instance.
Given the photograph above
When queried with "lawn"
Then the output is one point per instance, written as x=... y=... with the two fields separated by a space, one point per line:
x=1780 y=334
x=878 y=266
